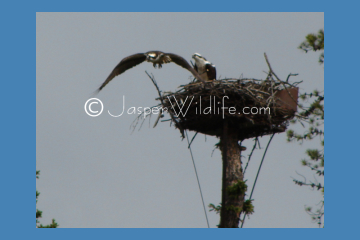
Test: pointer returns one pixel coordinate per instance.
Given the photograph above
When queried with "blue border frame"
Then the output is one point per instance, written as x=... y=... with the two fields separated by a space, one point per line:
x=18 y=122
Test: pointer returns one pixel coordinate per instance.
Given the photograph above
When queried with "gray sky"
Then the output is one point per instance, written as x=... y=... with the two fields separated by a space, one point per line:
x=95 y=173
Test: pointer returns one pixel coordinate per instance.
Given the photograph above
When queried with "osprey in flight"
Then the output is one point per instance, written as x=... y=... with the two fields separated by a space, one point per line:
x=206 y=70
x=155 y=57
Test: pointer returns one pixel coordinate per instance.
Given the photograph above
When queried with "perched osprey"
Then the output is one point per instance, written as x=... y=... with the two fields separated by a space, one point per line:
x=155 y=57
x=206 y=70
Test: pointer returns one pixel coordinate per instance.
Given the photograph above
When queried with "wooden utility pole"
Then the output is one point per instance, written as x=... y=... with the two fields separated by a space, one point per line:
x=228 y=100
x=233 y=186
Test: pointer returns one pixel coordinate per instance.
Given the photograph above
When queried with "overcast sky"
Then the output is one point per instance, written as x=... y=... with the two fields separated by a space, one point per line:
x=96 y=173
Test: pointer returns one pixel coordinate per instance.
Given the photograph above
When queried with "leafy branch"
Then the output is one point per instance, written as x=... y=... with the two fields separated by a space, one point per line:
x=53 y=223
x=313 y=117
x=314 y=42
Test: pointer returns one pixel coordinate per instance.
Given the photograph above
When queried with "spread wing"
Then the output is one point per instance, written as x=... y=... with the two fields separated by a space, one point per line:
x=125 y=64
x=183 y=63
x=211 y=71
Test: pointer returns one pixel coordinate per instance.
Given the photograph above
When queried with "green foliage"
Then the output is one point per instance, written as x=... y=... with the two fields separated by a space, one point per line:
x=314 y=42
x=312 y=115
x=214 y=208
x=248 y=207
x=232 y=208
x=237 y=189
x=53 y=223
x=316 y=215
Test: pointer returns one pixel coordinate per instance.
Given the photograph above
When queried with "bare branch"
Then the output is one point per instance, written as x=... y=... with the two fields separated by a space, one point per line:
x=162 y=103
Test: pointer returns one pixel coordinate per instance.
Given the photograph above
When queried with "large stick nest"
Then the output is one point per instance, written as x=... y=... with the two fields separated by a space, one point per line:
x=204 y=108
x=200 y=107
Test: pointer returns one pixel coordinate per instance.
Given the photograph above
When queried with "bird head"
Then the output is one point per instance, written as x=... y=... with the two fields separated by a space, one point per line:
x=151 y=55
x=197 y=56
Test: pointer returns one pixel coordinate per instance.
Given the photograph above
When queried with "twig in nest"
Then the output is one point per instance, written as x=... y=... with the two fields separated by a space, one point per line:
x=282 y=82
x=270 y=69
x=291 y=74
x=141 y=115
x=157 y=120
x=162 y=103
